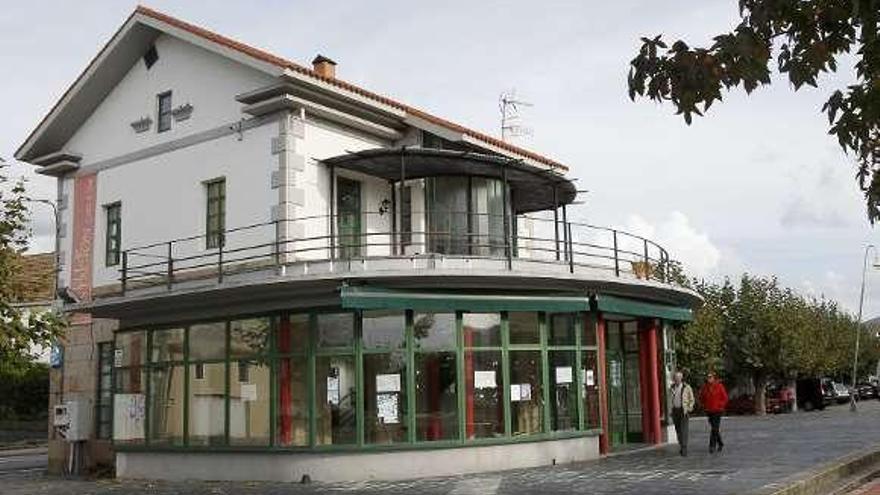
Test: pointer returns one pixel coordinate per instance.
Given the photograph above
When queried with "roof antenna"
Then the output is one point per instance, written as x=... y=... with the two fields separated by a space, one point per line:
x=509 y=105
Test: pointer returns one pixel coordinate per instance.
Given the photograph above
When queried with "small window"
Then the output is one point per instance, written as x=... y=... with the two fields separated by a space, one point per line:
x=113 y=234
x=200 y=371
x=244 y=372
x=151 y=56
x=104 y=392
x=215 y=219
x=164 y=117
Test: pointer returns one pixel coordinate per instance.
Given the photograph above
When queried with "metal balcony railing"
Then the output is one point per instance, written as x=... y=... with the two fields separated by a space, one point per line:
x=568 y=245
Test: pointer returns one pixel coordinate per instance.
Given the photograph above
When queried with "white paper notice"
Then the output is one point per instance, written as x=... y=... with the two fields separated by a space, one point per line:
x=563 y=374
x=388 y=383
x=525 y=391
x=386 y=405
x=128 y=416
x=515 y=393
x=484 y=379
x=591 y=379
x=118 y=358
x=248 y=392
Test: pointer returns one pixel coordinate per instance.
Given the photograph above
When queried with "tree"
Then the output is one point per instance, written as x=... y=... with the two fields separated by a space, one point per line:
x=809 y=38
x=20 y=331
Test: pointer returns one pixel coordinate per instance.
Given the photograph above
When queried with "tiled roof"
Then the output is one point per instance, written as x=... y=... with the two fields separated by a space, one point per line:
x=36 y=277
x=287 y=64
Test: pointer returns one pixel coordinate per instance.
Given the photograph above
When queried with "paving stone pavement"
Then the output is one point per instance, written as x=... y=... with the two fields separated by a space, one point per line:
x=758 y=452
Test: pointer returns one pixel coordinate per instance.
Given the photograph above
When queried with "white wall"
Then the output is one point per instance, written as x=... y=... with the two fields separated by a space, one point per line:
x=196 y=76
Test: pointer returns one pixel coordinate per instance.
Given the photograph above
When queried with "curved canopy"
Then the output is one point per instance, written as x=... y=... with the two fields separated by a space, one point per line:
x=531 y=188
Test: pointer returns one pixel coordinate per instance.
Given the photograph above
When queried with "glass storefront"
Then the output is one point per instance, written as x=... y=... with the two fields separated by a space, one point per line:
x=345 y=379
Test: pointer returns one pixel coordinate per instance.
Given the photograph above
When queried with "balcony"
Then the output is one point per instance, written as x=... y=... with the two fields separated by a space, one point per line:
x=329 y=246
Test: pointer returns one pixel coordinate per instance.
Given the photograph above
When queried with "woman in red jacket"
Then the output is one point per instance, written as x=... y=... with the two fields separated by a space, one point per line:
x=713 y=397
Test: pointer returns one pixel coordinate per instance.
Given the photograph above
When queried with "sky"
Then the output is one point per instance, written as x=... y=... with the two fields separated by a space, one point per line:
x=757 y=186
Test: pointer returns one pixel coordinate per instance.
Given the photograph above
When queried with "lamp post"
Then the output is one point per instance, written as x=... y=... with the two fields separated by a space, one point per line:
x=854 y=391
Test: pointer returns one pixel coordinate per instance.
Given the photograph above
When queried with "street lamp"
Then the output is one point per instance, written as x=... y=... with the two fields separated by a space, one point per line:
x=854 y=391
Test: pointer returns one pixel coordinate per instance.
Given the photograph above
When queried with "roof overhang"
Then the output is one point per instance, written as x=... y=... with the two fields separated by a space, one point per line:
x=532 y=188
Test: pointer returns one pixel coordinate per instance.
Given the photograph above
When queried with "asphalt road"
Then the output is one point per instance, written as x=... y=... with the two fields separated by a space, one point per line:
x=25 y=463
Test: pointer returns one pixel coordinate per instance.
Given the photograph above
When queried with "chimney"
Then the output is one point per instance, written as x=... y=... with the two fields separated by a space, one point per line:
x=324 y=67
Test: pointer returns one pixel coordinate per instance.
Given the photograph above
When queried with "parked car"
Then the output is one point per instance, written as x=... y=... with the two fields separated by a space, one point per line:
x=866 y=391
x=841 y=393
x=828 y=394
x=810 y=394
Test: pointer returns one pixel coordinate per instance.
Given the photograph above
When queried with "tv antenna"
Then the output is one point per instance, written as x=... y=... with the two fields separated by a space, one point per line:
x=510 y=105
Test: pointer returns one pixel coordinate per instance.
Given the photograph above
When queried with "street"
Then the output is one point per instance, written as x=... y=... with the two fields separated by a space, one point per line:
x=24 y=463
x=758 y=452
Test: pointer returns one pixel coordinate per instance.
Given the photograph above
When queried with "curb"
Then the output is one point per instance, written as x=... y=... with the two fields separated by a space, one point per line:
x=828 y=477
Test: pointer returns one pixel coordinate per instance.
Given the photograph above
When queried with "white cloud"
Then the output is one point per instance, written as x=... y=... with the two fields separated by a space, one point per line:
x=682 y=240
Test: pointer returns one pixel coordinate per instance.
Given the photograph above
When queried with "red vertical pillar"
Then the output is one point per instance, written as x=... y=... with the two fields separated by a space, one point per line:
x=653 y=380
x=285 y=433
x=601 y=339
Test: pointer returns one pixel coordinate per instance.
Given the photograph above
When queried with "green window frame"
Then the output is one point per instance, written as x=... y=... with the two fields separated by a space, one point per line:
x=215 y=213
x=437 y=370
x=113 y=233
x=104 y=392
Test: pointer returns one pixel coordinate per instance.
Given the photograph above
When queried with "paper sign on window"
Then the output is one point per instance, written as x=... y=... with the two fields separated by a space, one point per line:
x=515 y=393
x=563 y=374
x=591 y=378
x=248 y=392
x=388 y=383
x=129 y=411
x=386 y=405
x=118 y=358
x=484 y=379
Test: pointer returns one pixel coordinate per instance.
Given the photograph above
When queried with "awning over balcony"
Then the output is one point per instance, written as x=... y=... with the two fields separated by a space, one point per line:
x=380 y=298
x=531 y=188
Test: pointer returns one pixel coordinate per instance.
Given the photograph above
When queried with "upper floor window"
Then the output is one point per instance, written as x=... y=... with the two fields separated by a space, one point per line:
x=164 y=114
x=215 y=219
x=113 y=239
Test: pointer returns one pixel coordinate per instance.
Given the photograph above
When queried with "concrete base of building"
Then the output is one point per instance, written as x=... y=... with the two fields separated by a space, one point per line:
x=335 y=467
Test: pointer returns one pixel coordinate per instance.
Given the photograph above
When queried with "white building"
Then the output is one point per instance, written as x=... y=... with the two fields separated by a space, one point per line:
x=280 y=260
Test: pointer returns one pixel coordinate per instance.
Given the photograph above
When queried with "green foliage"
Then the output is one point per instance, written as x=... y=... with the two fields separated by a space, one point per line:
x=757 y=330
x=20 y=331
x=24 y=390
x=809 y=37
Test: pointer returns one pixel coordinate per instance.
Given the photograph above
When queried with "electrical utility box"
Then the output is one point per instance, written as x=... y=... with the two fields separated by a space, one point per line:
x=73 y=420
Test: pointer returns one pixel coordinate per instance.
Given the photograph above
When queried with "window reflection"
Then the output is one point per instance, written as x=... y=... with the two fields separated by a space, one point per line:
x=484 y=407
x=166 y=405
x=481 y=329
x=337 y=401
x=434 y=331
x=207 y=405
x=385 y=398
x=436 y=396
x=248 y=403
x=526 y=392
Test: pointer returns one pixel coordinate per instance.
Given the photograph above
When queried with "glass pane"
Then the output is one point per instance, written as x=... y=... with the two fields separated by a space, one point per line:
x=336 y=330
x=385 y=398
x=481 y=329
x=487 y=217
x=526 y=392
x=484 y=408
x=631 y=336
x=131 y=349
x=590 y=393
x=249 y=403
x=207 y=405
x=167 y=345
x=447 y=204
x=293 y=425
x=129 y=406
x=384 y=329
x=166 y=405
x=207 y=341
x=434 y=330
x=436 y=396
x=562 y=327
x=293 y=333
x=249 y=337
x=336 y=402
x=589 y=329
x=524 y=328
x=563 y=405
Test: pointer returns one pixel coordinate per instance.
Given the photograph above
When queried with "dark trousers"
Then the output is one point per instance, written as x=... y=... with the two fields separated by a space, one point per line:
x=680 y=420
x=715 y=435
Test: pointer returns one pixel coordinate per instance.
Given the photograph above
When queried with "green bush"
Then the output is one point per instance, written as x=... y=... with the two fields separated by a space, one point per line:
x=24 y=390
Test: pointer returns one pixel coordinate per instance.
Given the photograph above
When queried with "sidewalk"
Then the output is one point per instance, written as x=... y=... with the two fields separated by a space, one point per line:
x=758 y=452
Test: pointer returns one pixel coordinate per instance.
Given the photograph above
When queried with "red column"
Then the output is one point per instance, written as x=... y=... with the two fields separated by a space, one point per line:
x=285 y=430
x=603 y=385
x=84 y=206
x=653 y=380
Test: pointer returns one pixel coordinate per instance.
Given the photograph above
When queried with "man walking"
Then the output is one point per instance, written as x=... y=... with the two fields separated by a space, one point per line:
x=713 y=397
x=682 y=404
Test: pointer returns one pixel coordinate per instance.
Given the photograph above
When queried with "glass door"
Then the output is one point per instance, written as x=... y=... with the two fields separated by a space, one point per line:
x=616 y=389
x=348 y=207
x=624 y=387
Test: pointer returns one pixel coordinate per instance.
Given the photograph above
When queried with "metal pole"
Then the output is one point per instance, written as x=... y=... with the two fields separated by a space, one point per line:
x=332 y=211
x=616 y=259
x=170 y=264
x=556 y=220
x=852 y=396
x=565 y=239
x=506 y=216
x=395 y=235
x=402 y=182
